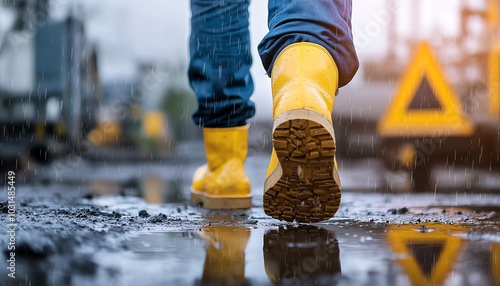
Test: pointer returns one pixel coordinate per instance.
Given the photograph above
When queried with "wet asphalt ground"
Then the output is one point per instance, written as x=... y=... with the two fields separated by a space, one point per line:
x=81 y=222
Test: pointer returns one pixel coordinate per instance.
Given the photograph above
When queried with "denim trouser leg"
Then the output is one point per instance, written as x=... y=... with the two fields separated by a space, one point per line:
x=219 y=68
x=324 y=22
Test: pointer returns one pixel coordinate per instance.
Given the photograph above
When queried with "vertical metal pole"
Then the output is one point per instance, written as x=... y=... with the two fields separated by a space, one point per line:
x=416 y=19
x=75 y=80
x=391 y=37
x=493 y=13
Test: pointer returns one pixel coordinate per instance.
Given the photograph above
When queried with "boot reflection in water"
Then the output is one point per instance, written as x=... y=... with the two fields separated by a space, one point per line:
x=303 y=254
x=225 y=258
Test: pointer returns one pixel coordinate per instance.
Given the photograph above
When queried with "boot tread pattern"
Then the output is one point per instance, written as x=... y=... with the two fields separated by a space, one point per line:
x=307 y=190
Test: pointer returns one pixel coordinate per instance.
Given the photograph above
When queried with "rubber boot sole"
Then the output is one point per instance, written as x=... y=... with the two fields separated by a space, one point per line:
x=220 y=202
x=305 y=186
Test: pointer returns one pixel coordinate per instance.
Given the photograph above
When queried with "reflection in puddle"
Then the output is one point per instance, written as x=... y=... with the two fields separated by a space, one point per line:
x=225 y=254
x=301 y=254
x=154 y=190
x=293 y=255
x=428 y=257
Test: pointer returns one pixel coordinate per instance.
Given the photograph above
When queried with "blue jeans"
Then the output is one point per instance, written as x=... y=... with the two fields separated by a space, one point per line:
x=219 y=69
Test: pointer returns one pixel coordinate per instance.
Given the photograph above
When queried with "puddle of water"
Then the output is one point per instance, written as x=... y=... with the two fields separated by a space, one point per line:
x=342 y=253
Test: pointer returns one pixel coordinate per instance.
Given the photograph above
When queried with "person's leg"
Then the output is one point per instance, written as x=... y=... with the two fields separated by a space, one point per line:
x=219 y=74
x=323 y=22
x=220 y=61
x=308 y=53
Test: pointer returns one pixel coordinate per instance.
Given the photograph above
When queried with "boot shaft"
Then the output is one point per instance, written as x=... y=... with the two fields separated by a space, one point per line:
x=304 y=76
x=224 y=144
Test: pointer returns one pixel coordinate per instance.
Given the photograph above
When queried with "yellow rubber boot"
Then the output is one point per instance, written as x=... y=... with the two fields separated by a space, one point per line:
x=225 y=257
x=222 y=183
x=302 y=181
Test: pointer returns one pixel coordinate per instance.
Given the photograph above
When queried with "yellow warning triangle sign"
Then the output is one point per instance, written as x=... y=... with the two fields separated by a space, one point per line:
x=424 y=104
x=426 y=256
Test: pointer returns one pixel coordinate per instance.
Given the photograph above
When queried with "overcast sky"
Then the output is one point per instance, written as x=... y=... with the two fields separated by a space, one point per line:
x=158 y=29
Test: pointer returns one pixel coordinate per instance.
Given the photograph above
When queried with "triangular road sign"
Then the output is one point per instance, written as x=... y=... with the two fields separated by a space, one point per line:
x=429 y=256
x=425 y=98
x=425 y=104
x=426 y=255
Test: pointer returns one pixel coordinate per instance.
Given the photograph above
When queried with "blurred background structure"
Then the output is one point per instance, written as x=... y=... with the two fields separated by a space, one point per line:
x=107 y=80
